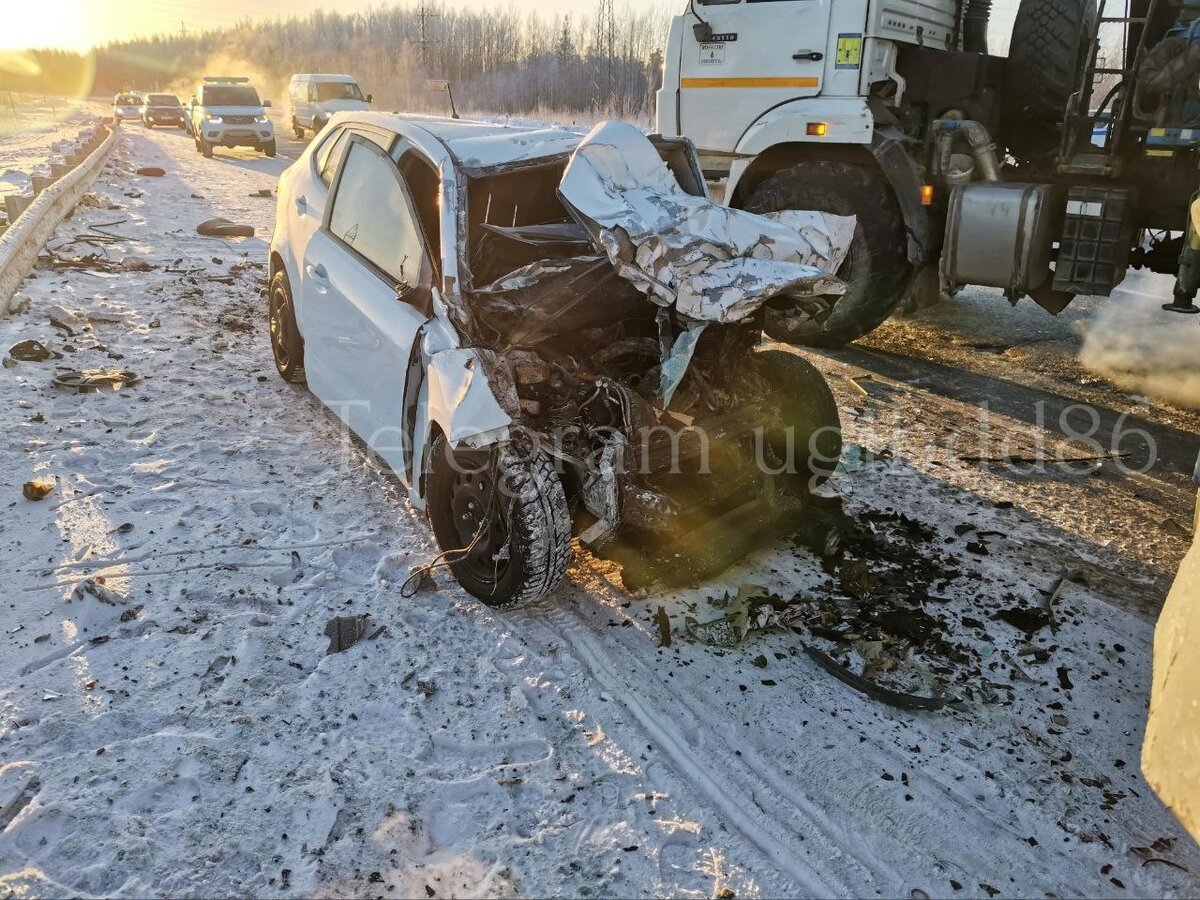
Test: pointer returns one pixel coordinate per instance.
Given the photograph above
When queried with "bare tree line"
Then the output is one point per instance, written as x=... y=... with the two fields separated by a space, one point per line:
x=496 y=59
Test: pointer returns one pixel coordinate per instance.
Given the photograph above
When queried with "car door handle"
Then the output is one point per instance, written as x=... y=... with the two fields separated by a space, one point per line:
x=810 y=55
x=318 y=276
x=302 y=205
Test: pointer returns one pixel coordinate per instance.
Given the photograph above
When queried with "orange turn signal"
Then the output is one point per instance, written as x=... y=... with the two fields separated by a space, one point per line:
x=927 y=195
x=818 y=129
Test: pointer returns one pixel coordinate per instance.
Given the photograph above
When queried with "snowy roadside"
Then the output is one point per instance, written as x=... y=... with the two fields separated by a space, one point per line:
x=45 y=128
x=179 y=729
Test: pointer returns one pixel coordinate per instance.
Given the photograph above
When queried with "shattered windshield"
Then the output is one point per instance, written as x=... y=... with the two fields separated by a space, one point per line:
x=230 y=95
x=338 y=90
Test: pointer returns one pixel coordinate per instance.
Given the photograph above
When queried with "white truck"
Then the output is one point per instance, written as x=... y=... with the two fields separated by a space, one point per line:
x=1048 y=173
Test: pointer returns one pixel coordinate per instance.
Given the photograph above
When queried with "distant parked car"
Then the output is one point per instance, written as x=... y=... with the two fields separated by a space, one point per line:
x=127 y=106
x=315 y=98
x=162 y=109
x=229 y=113
x=448 y=289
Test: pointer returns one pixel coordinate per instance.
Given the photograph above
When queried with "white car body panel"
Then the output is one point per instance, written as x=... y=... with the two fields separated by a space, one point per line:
x=1171 y=750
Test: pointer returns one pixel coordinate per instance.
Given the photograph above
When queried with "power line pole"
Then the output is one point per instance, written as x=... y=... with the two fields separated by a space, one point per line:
x=424 y=14
x=606 y=42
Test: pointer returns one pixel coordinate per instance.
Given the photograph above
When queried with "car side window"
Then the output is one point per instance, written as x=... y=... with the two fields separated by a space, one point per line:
x=330 y=153
x=312 y=92
x=372 y=214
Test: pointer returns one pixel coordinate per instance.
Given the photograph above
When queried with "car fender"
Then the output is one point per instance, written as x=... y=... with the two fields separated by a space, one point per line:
x=456 y=396
x=847 y=120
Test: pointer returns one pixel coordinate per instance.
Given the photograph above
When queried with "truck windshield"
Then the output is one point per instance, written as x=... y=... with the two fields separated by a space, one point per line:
x=162 y=100
x=338 y=90
x=230 y=95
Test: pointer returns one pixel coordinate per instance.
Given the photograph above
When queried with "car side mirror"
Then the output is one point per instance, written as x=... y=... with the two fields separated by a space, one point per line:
x=266 y=104
x=419 y=298
x=370 y=98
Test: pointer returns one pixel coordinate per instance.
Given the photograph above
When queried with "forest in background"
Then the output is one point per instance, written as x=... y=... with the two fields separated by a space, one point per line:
x=599 y=59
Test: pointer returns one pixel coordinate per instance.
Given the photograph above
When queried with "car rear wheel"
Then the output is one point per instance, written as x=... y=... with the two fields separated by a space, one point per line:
x=297 y=130
x=808 y=409
x=501 y=520
x=287 y=346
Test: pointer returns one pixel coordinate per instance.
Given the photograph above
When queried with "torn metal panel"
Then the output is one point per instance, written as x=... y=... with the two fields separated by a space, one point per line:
x=710 y=262
x=462 y=402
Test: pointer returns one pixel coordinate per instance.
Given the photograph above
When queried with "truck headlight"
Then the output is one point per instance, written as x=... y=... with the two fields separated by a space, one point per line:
x=216 y=120
x=262 y=120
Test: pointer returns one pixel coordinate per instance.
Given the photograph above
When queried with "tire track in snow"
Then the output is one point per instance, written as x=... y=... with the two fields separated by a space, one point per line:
x=734 y=791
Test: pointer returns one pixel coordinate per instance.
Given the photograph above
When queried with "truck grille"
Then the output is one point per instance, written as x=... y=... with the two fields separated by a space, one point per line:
x=239 y=120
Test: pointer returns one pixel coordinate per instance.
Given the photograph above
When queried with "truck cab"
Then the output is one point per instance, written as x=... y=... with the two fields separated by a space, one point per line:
x=796 y=103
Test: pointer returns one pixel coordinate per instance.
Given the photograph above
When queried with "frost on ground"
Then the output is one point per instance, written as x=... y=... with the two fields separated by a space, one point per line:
x=31 y=131
x=179 y=728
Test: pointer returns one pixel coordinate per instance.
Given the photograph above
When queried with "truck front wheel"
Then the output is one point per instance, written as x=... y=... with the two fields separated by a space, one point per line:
x=876 y=270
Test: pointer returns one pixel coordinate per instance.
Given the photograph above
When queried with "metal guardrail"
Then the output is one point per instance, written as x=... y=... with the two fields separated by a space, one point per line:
x=32 y=220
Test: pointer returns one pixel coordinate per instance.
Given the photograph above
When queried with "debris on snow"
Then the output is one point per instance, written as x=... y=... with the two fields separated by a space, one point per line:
x=90 y=380
x=221 y=227
x=37 y=489
x=345 y=631
x=150 y=171
x=32 y=351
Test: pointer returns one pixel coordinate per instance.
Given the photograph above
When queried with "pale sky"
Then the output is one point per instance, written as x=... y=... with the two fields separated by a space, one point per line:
x=81 y=24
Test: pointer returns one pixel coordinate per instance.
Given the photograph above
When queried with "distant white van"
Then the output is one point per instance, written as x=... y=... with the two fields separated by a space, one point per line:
x=314 y=98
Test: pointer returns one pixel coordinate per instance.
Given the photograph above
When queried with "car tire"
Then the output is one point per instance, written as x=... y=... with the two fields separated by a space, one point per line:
x=297 y=130
x=287 y=345
x=807 y=405
x=206 y=148
x=269 y=148
x=318 y=126
x=525 y=547
x=876 y=270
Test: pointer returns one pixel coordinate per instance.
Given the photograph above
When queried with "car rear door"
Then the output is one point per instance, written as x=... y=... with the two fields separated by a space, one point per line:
x=366 y=280
x=762 y=53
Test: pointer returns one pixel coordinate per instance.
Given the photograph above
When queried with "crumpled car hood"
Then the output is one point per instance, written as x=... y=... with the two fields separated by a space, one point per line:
x=712 y=263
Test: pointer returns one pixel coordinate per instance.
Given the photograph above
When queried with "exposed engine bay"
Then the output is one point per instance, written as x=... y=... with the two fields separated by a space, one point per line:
x=617 y=310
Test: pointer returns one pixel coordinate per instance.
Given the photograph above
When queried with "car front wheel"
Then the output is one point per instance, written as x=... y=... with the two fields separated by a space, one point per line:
x=287 y=346
x=269 y=148
x=501 y=519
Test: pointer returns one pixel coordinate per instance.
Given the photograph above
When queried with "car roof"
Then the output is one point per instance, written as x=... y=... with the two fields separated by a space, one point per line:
x=350 y=79
x=473 y=145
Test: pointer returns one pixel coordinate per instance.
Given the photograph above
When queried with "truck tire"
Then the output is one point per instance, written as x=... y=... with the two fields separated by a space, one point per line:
x=525 y=548
x=876 y=269
x=1048 y=51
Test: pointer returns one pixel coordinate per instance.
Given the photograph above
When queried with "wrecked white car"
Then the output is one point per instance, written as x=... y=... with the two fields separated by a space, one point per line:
x=547 y=335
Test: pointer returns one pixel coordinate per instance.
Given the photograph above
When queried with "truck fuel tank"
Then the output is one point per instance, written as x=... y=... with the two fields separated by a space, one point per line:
x=1001 y=234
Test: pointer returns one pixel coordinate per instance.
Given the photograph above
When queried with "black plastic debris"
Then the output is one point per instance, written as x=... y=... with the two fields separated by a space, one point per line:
x=262 y=192
x=346 y=631
x=1030 y=621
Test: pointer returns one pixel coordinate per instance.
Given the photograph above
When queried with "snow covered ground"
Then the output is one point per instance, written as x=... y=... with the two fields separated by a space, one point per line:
x=31 y=131
x=180 y=730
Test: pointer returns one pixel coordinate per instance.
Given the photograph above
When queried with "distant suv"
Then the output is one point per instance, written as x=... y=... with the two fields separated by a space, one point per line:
x=315 y=98
x=161 y=109
x=127 y=106
x=229 y=113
